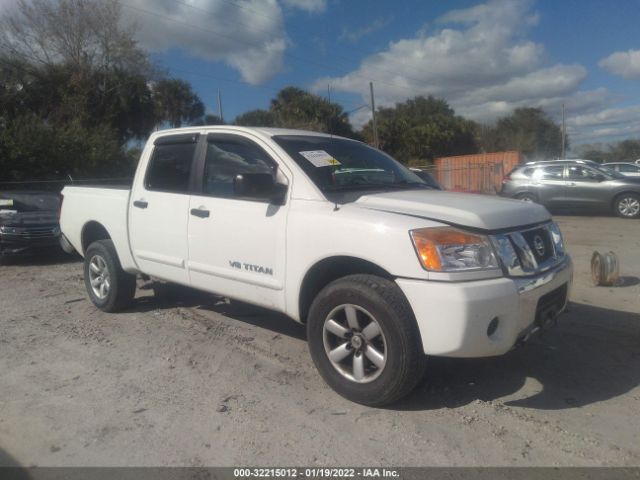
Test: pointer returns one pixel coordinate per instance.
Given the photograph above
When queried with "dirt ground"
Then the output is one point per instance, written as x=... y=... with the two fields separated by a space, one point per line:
x=189 y=379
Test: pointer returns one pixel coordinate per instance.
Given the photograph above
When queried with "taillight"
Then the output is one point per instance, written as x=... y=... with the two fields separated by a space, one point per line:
x=506 y=178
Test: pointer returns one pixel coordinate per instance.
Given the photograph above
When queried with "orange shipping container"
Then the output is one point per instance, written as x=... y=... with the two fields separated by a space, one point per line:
x=482 y=172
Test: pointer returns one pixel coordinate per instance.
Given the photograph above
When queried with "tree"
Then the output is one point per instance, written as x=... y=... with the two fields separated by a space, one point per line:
x=256 y=118
x=296 y=108
x=527 y=130
x=176 y=102
x=209 y=119
x=624 y=151
x=422 y=129
x=73 y=76
x=85 y=34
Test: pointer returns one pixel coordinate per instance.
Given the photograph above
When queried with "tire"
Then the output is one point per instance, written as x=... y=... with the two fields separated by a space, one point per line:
x=374 y=300
x=527 y=197
x=113 y=288
x=627 y=205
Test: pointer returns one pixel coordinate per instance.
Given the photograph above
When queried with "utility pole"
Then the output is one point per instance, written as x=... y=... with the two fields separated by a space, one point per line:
x=564 y=133
x=329 y=100
x=220 y=107
x=373 y=114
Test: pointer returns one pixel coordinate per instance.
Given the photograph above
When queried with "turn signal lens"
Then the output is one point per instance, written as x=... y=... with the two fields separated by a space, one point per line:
x=451 y=250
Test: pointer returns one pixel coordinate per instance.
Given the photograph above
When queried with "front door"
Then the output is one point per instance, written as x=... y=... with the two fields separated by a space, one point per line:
x=585 y=187
x=236 y=245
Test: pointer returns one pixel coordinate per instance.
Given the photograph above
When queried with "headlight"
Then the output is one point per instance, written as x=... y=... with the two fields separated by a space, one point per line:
x=558 y=241
x=8 y=230
x=448 y=249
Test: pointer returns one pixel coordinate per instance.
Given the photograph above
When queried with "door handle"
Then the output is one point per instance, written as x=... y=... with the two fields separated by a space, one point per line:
x=140 y=203
x=200 y=213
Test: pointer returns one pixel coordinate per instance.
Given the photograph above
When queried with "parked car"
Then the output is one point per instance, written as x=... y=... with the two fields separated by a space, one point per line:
x=28 y=221
x=627 y=169
x=581 y=184
x=427 y=178
x=380 y=267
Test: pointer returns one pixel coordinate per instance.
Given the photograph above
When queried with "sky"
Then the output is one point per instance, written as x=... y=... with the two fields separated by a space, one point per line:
x=484 y=58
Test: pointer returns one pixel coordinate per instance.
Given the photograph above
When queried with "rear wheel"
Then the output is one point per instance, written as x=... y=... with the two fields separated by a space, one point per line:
x=364 y=340
x=108 y=285
x=627 y=205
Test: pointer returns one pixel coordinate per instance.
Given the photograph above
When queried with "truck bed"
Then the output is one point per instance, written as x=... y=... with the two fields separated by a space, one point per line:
x=103 y=204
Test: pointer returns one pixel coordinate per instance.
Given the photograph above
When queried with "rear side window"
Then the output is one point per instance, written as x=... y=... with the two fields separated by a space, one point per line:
x=549 y=172
x=170 y=167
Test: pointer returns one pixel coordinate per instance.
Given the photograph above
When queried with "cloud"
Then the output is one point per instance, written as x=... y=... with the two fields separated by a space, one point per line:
x=625 y=64
x=353 y=35
x=311 y=6
x=249 y=36
x=480 y=60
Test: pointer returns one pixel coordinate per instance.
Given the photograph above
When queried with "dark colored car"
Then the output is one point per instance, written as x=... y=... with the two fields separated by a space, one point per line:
x=575 y=184
x=28 y=221
x=427 y=178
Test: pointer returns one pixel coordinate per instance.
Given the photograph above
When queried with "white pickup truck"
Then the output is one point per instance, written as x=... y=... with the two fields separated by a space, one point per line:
x=381 y=268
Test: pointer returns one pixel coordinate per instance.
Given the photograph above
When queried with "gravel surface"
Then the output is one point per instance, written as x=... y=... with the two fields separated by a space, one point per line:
x=185 y=378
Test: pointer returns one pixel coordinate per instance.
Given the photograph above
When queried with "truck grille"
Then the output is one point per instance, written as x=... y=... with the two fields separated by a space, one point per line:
x=539 y=241
x=28 y=233
x=528 y=252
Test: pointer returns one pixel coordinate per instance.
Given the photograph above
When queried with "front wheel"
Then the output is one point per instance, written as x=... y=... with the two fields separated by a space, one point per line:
x=110 y=288
x=627 y=205
x=364 y=340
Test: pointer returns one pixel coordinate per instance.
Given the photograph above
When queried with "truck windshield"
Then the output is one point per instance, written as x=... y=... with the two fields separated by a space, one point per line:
x=338 y=164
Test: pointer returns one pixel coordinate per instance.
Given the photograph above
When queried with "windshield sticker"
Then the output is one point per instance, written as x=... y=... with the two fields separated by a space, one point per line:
x=6 y=202
x=8 y=212
x=320 y=158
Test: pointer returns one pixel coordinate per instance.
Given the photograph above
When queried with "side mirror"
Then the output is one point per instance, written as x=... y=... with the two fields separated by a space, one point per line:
x=600 y=177
x=259 y=186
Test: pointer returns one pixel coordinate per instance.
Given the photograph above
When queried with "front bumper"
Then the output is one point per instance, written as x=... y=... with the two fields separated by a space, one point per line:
x=454 y=317
x=11 y=245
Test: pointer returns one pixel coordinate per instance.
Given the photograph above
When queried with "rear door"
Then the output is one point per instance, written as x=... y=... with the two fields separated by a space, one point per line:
x=549 y=184
x=159 y=209
x=237 y=246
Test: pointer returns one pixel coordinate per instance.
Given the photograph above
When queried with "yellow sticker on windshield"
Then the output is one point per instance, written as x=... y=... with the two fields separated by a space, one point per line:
x=6 y=202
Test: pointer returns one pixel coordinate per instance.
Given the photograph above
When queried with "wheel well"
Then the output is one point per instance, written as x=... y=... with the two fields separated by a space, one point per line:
x=92 y=232
x=330 y=269
x=525 y=192
x=615 y=199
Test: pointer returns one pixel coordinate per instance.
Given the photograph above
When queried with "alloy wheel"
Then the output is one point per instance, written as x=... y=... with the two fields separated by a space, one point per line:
x=354 y=343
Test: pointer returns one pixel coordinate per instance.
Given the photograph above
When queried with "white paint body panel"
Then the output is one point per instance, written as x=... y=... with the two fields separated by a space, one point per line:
x=165 y=241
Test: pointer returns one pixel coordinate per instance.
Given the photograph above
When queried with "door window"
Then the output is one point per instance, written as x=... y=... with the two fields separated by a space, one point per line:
x=170 y=167
x=582 y=173
x=627 y=168
x=228 y=158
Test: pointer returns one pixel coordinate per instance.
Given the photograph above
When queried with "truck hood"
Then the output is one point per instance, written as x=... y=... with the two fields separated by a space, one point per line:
x=482 y=212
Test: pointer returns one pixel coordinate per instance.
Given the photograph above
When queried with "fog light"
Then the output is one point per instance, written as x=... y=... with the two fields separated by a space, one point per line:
x=493 y=326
